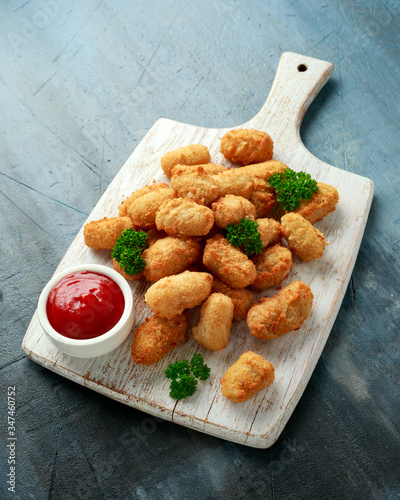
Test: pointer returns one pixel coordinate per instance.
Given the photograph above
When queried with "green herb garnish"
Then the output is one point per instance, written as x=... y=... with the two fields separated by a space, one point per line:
x=128 y=250
x=245 y=235
x=292 y=187
x=184 y=376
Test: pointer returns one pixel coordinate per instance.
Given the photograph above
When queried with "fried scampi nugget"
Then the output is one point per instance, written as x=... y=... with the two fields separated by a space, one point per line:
x=169 y=256
x=264 y=170
x=205 y=183
x=263 y=197
x=303 y=238
x=235 y=181
x=320 y=204
x=246 y=146
x=157 y=337
x=122 y=210
x=286 y=311
x=171 y=295
x=213 y=329
x=103 y=234
x=251 y=182
x=210 y=168
x=272 y=265
x=230 y=209
x=228 y=263
x=270 y=231
x=182 y=217
x=195 y=154
x=250 y=374
x=242 y=299
x=196 y=182
x=143 y=209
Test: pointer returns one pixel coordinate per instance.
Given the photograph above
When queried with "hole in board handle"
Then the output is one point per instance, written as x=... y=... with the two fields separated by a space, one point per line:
x=302 y=68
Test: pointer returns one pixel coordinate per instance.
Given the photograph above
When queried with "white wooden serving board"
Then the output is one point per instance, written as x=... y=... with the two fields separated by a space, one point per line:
x=259 y=421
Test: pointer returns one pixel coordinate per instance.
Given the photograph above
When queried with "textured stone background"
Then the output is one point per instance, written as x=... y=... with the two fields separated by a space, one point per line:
x=80 y=84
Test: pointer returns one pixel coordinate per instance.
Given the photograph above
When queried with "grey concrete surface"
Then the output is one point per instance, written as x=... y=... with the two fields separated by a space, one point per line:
x=80 y=84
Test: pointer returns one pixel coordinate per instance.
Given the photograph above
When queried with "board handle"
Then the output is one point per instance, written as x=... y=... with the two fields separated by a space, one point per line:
x=297 y=82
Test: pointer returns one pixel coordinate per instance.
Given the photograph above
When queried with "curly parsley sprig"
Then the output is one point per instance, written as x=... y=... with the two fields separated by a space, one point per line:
x=292 y=187
x=128 y=251
x=184 y=375
x=245 y=235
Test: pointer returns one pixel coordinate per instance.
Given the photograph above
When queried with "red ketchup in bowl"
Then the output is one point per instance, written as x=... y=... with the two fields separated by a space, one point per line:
x=84 y=305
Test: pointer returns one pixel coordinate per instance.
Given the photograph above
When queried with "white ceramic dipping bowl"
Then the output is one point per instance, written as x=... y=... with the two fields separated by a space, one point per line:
x=98 y=346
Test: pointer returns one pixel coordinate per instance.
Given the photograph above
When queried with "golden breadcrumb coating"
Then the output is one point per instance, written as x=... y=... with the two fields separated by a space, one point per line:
x=286 y=311
x=251 y=182
x=154 y=235
x=242 y=299
x=123 y=208
x=169 y=256
x=234 y=181
x=270 y=231
x=228 y=263
x=250 y=374
x=272 y=265
x=171 y=295
x=320 y=204
x=195 y=154
x=144 y=208
x=265 y=169
x=182 y=217
x=230 y=209
x=209 y=168
x=213 y=329
x=206 y=183
x=303 y=238
x=263 y=197
x=157 y=337
x=246 y=146
x=103 y=233
x=196 y=182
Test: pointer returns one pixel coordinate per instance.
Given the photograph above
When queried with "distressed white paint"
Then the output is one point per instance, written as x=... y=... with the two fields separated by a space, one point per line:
x=257 y=422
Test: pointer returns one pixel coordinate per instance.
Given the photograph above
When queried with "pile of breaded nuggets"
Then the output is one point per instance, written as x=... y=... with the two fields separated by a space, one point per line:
x=191 y=263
